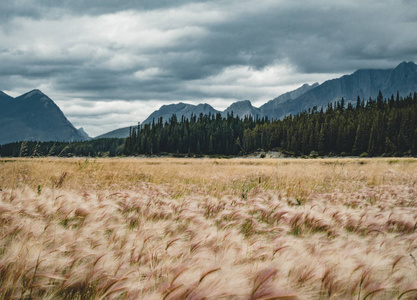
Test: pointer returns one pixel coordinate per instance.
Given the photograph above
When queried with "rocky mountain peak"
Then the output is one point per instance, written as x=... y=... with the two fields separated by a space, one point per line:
x=405 y=68
x=405 y=64
x=33 y=93
x=34 y=116
x=179 y=109
x=241 y=104
x=243 y=108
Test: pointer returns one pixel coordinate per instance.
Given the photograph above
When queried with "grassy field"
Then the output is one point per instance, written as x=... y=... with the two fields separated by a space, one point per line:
x=158 y=228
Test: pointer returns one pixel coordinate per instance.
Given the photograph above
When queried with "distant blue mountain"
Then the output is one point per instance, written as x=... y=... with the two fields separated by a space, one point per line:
x=272 y=109
x=363 y=83
x=117 y=133
x=243 y=109
x=180 y=110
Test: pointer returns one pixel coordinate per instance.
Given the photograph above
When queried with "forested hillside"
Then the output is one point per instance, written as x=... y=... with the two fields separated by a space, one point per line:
x=373 y=127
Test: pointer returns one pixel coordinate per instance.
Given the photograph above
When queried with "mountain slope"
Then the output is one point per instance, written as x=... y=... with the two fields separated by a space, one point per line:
x=120 y=133
x=365 y=83
x=272 y=108
x=4 y=98
x=84 y=134
x=34 y=116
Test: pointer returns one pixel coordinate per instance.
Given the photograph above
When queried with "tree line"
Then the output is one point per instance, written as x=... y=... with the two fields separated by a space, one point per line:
x=207 y=134
x=93 y=148
x=375 y=127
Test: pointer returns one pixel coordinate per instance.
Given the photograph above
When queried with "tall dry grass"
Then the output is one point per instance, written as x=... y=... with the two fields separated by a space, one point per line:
x=214 y=229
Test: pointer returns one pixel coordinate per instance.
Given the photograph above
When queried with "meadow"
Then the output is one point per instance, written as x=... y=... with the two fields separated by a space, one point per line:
x=165 y=228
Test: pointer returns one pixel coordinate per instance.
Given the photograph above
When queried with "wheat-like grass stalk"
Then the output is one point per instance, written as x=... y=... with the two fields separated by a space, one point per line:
x=129 y=228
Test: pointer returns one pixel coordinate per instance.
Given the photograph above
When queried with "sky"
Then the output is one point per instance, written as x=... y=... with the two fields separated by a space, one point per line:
x=110 y=63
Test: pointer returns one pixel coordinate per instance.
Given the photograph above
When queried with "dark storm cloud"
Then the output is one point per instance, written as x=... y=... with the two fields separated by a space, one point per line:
x=105 y=50
x=52 y=8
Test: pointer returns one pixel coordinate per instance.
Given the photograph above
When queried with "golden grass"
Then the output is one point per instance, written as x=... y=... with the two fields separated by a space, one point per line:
x=295 y=176
x=220 y=229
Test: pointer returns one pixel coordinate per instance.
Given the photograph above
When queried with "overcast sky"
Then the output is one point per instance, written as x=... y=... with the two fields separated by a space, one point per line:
x=110 y=63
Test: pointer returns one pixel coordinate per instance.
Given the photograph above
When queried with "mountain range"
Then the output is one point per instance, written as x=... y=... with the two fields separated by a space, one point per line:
x=34 y=116
x=364 y=83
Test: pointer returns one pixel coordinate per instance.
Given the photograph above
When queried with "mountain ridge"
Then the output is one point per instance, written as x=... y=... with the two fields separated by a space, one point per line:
x=363 y=82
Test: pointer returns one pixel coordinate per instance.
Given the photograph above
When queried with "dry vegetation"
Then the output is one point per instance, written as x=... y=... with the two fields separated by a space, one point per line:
x=208 y=229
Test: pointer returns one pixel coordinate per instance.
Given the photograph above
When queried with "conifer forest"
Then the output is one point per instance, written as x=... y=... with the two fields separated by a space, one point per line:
x=381 y=127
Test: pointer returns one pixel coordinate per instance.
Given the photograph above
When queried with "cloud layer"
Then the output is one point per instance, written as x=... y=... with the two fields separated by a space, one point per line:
x=110 y=63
